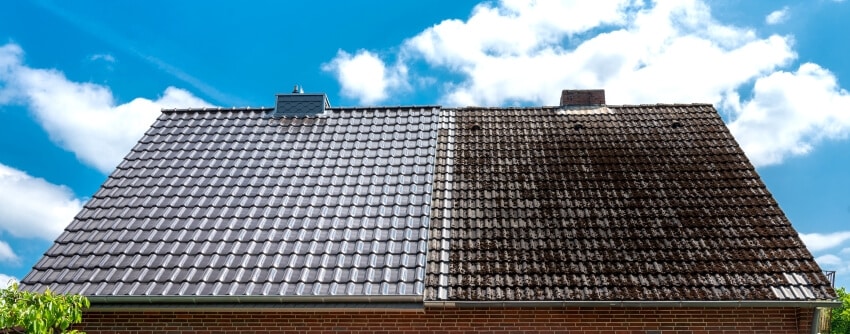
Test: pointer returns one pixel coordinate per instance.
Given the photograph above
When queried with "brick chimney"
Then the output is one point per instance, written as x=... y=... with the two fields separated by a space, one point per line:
x=582 y=97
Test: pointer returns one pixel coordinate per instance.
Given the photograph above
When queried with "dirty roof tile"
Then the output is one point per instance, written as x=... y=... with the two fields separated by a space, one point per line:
x=640 y=203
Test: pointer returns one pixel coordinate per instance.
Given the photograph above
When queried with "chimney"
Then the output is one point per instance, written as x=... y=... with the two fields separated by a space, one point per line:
x=298 y=104
x=582 y=97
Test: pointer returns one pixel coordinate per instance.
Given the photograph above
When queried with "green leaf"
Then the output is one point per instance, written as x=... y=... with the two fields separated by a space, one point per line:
x=40 y=313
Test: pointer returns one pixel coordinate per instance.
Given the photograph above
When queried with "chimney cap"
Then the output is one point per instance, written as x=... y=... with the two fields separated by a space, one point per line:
x=582 y=97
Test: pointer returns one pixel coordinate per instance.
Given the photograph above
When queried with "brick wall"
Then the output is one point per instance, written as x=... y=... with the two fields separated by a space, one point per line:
x=465 y=320
x=582 y=97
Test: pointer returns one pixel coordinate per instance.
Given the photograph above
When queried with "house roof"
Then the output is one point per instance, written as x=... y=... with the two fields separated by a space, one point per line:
x=237 y=203
x=604 y=203
x=577 y=203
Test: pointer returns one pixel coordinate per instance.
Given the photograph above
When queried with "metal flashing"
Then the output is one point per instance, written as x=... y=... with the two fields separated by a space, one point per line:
x=585 y=110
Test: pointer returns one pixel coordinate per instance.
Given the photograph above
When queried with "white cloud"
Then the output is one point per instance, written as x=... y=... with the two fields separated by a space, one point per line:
x=525 y=52
x=777 y=16
x=6 y=253
x=32 y=207
x=828 y=260
x=364 y=76
x=818 y=242
x=790 y=112
x=6 y=280
x=840 y=263
x=103 y=56
x=661 y=44
x=513 y=29
x=841 y=266
x=83 y=117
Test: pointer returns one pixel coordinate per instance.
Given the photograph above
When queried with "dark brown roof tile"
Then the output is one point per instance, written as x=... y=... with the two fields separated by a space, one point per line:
x=642 y=203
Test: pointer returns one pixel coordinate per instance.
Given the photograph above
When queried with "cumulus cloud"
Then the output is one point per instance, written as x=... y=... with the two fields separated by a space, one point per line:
x=524 y=52
x=828 y=260
x=83 y=117
x=31 y=207
x=512 y=29
x=839 y=264
x=790 y=112
x=7 y=254
x=818 y=242
x=6 y=280
x=364 y=76
x=777 y=16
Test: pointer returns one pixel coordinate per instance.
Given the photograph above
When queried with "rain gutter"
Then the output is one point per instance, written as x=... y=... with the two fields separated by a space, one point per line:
x=413 y=302
x=672 y=303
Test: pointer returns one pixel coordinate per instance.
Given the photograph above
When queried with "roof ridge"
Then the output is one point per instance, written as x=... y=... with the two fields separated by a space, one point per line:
x=602 y=105
x=661 y=105
x=387 y=107
x=211 y=109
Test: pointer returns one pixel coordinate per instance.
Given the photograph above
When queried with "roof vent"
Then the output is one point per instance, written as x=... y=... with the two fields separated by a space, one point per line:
x=298 y=104
x=582 y=97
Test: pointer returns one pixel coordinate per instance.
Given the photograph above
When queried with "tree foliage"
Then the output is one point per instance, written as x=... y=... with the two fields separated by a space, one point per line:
x=841 y=315
x=39 y=313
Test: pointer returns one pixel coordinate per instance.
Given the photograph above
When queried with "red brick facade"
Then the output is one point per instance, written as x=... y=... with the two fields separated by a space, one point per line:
x=463 y=320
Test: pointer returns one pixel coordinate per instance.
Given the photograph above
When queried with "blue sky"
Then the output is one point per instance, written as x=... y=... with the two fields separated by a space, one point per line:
x=81 y=81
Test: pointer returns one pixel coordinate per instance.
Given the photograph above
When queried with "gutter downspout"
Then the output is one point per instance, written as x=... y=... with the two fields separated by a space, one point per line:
x=816 y=320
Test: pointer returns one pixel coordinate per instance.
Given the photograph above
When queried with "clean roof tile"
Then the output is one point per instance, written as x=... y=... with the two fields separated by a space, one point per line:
x=197 y=186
